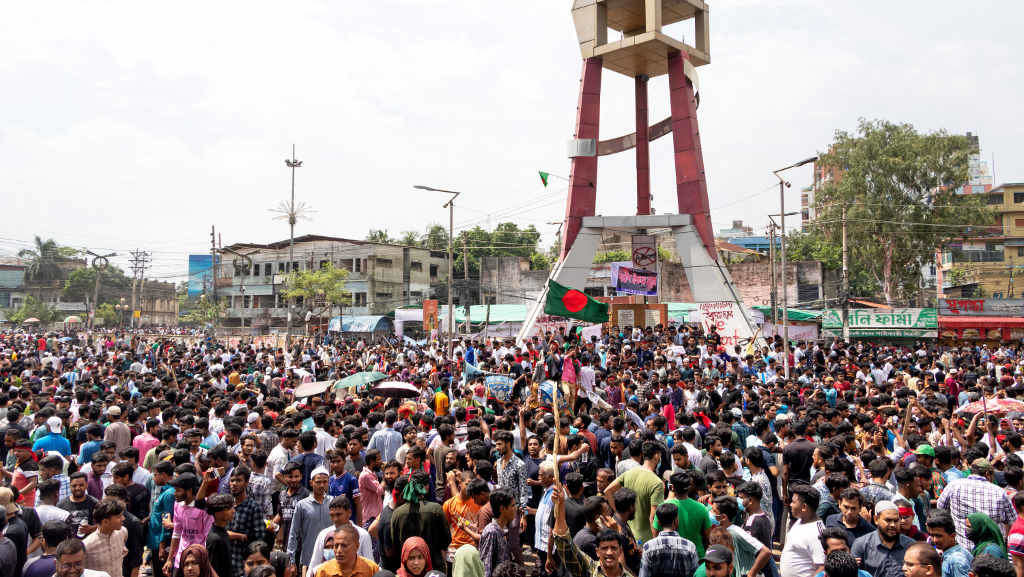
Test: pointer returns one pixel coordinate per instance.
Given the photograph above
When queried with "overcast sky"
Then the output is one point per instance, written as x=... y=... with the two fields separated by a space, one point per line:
x=139 y=124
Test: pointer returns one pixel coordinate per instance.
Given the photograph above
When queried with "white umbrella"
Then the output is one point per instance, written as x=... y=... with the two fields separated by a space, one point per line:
x=312 y=388
x=396 y=389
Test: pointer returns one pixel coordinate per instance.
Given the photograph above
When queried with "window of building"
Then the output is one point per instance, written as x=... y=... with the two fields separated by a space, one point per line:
x=383 y=295
x=280 y=267
x=1020 y=251
x=594 y=291
x=268 y=269
x=996 y=198
x=384 y=262
x=416 y=294
x=359 y=263
x=1018 y=197
x=416 y=266
x=359 y=299
x=295 y=266
x=433 y=271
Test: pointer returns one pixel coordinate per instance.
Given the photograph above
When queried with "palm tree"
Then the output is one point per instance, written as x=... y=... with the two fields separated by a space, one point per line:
x=44 y=260
x=380 y=236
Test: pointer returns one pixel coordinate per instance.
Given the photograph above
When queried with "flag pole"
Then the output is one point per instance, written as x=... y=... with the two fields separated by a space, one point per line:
x=554 y=408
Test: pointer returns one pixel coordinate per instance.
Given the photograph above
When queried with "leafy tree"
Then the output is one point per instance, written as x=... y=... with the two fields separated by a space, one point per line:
x=44 y=259
x=205 y=311
x=380 y=236
x=31 y=308
x=617 y=255
x=409 y=238
x=81 y=284
x=898 y=187
x=320 y=290
x=108 y=314
x=436 y=238
x=507 y=239
x=539 y=261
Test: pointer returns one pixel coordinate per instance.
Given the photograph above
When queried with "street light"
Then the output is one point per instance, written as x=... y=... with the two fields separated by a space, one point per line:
x=783 y=184
x=291 y=212
x=450 y=205
x=120 y=307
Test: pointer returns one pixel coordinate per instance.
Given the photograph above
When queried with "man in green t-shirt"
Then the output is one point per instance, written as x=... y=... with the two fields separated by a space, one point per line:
x=649 y=489
x=694 y=519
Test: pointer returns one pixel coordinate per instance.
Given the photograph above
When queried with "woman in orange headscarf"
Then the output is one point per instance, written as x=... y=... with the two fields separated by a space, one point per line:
x=415 y=558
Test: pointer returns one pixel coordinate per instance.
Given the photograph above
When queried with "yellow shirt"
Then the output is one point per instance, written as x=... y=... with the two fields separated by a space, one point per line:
x=441 y=404
x=364 y=568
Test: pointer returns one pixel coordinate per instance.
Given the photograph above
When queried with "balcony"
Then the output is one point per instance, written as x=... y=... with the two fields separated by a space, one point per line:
x=962 y=256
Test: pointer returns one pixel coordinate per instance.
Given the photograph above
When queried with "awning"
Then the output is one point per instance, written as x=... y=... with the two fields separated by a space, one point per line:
x=978 y=322
x=800 y=315
x=360 y=324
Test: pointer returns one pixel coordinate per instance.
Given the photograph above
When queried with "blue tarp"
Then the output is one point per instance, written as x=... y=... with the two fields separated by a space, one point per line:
x=360 y=324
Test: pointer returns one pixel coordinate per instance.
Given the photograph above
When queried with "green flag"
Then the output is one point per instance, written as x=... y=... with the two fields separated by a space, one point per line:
x=563 y=301
x=544 y=176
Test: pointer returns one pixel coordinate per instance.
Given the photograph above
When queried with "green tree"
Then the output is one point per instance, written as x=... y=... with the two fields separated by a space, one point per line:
x=44 y=259
x=81 y=284
x=507 y=239
x=436 y=238
x=108 y=314
x=31 y=308
x=898 y=187
x=205 y=311
x=380 y=236
x=409 y=238
x=319 y=290
x=617 y=255
x=539 y=261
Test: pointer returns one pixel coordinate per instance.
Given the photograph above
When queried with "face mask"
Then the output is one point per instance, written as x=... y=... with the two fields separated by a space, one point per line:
x=328 y=554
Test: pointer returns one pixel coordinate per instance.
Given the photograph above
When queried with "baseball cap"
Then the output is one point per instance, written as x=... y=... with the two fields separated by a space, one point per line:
x=114 y=411
x=718 y=554
x=54 y=424
x=925 y=450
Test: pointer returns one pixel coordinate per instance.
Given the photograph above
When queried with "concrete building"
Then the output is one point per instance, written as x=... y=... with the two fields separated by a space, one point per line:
x=738 y=229
x=12 y=282
x=381 y=277
x=994 y=261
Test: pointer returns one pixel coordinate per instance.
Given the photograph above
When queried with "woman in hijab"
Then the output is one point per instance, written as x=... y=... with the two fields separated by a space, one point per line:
x=195 y=562
x=467 y=563
x=415 y=558
x=988 y=539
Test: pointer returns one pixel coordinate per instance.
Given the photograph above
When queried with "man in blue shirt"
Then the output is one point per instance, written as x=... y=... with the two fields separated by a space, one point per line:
x=94 y=434
x=53 y=440
x=956 y=561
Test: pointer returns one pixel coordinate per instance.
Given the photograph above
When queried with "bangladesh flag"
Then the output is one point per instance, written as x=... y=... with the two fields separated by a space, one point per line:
x=544 y=177
x=563 y=301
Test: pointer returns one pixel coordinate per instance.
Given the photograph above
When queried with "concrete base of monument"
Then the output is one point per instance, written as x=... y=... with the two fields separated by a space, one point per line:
x=709 y=279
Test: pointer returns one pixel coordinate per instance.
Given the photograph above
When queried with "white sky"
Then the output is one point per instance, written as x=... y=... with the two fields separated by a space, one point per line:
x=138 y=124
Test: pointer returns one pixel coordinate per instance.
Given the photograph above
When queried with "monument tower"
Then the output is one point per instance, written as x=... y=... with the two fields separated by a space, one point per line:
x=643 y=51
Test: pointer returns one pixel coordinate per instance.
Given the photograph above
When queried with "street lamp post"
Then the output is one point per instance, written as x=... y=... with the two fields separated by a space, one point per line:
x=450 y=205
x=291 y=163
x=783 y=184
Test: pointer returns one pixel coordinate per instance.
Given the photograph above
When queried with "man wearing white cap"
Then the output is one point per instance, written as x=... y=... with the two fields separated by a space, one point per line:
x=53 y=440
x=312 y=515
x=117 y=431
x=881 y=552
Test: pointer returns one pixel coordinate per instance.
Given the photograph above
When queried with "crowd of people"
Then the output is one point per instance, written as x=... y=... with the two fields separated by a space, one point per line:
x=657 y=452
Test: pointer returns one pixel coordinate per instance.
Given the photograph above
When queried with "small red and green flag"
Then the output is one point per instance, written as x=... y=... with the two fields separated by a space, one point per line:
x=544 y=176
x=563 y=301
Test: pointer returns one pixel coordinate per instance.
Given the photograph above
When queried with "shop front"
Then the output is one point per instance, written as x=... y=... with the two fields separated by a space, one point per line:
x=897 y=324
x=986 y=320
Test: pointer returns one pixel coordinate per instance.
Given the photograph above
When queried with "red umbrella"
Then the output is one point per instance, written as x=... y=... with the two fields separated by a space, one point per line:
x=996 y=406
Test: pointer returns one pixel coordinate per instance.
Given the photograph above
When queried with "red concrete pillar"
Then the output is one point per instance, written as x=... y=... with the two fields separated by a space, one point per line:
x=643 y=160
x=691 y=187
x=582 y=200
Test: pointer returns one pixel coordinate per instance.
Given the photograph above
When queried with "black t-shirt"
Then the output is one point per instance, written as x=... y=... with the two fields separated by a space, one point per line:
x=760 y=527
x=798 y=455
x=862 y=528
x=574 y=516
x=81 y=513
x=17 y=532
x=218 y=546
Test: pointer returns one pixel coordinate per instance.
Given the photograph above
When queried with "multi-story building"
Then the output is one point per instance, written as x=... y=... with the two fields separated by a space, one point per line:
x=12 y=282
x=993 y=261
x=382 y=277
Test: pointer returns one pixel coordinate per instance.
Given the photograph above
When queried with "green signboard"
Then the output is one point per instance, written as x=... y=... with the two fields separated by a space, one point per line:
x=892 y=323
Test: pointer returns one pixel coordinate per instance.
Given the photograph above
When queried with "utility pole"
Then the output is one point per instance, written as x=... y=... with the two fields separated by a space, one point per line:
x=450 y=205
x=771 y=275
x=291 y=163
x=846 y=285
x=139 y=263
x=100 y=263
x=213 y=275
x=465 y=282
x=782 y=273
